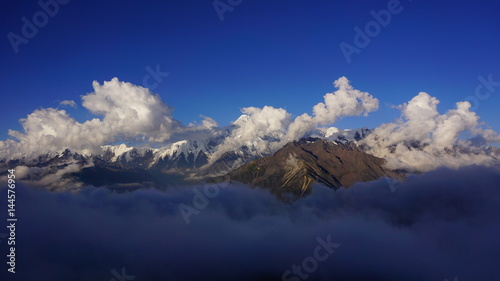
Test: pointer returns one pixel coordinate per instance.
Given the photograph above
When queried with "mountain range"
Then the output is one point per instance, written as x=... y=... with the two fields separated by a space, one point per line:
x=331 y=157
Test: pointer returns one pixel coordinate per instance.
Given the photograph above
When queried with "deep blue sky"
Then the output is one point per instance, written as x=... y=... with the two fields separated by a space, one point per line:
x=279 y=53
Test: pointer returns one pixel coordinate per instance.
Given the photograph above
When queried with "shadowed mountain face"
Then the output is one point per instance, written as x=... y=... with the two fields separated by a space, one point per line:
x=298 y=165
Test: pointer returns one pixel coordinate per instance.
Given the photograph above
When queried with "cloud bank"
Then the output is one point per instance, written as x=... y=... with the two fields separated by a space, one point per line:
x=268 y=129
x=435 y=226
x=127 y=111
x=423 y=140
x=132 y=113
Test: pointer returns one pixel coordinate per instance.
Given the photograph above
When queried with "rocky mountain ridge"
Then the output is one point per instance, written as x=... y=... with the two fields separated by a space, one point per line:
x=331 y=157
x=298 y=165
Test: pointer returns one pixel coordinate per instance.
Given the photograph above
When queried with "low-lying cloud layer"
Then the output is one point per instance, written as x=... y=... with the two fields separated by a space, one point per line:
x=132 y=113
x=434 y=227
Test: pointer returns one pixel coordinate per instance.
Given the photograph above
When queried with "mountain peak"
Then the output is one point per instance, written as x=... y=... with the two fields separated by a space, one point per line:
x=299 y=164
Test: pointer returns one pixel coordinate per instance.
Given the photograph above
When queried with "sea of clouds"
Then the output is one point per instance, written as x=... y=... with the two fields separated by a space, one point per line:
x=434 y=226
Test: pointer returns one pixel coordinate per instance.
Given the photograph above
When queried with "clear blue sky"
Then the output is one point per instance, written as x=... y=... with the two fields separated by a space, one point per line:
x=279 y=53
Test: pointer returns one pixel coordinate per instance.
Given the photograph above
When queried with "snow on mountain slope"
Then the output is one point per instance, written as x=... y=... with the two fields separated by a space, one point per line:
x=122 y=153
x=189 y=159
x=117 y=150
x=184 y=148
x=341 y=136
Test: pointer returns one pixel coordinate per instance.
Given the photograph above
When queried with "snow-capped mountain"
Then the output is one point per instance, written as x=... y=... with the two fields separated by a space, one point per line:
x=185 y=153
x=344 y=136
x=179 y=162
x=176 y=162
x=196 y=154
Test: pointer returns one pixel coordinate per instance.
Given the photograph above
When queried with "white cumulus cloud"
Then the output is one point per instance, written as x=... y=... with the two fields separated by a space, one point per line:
x=423 y=140
x=346 y=101
x=257 y=129
x=128 y=112
x=70 y=103
x=267 y=129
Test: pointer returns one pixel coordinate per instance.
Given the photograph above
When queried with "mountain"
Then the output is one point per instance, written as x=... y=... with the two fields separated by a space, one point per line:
x=296 y=166
x=326 y=155
x=174 y=163
x=348 y=135
x=193 y=160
